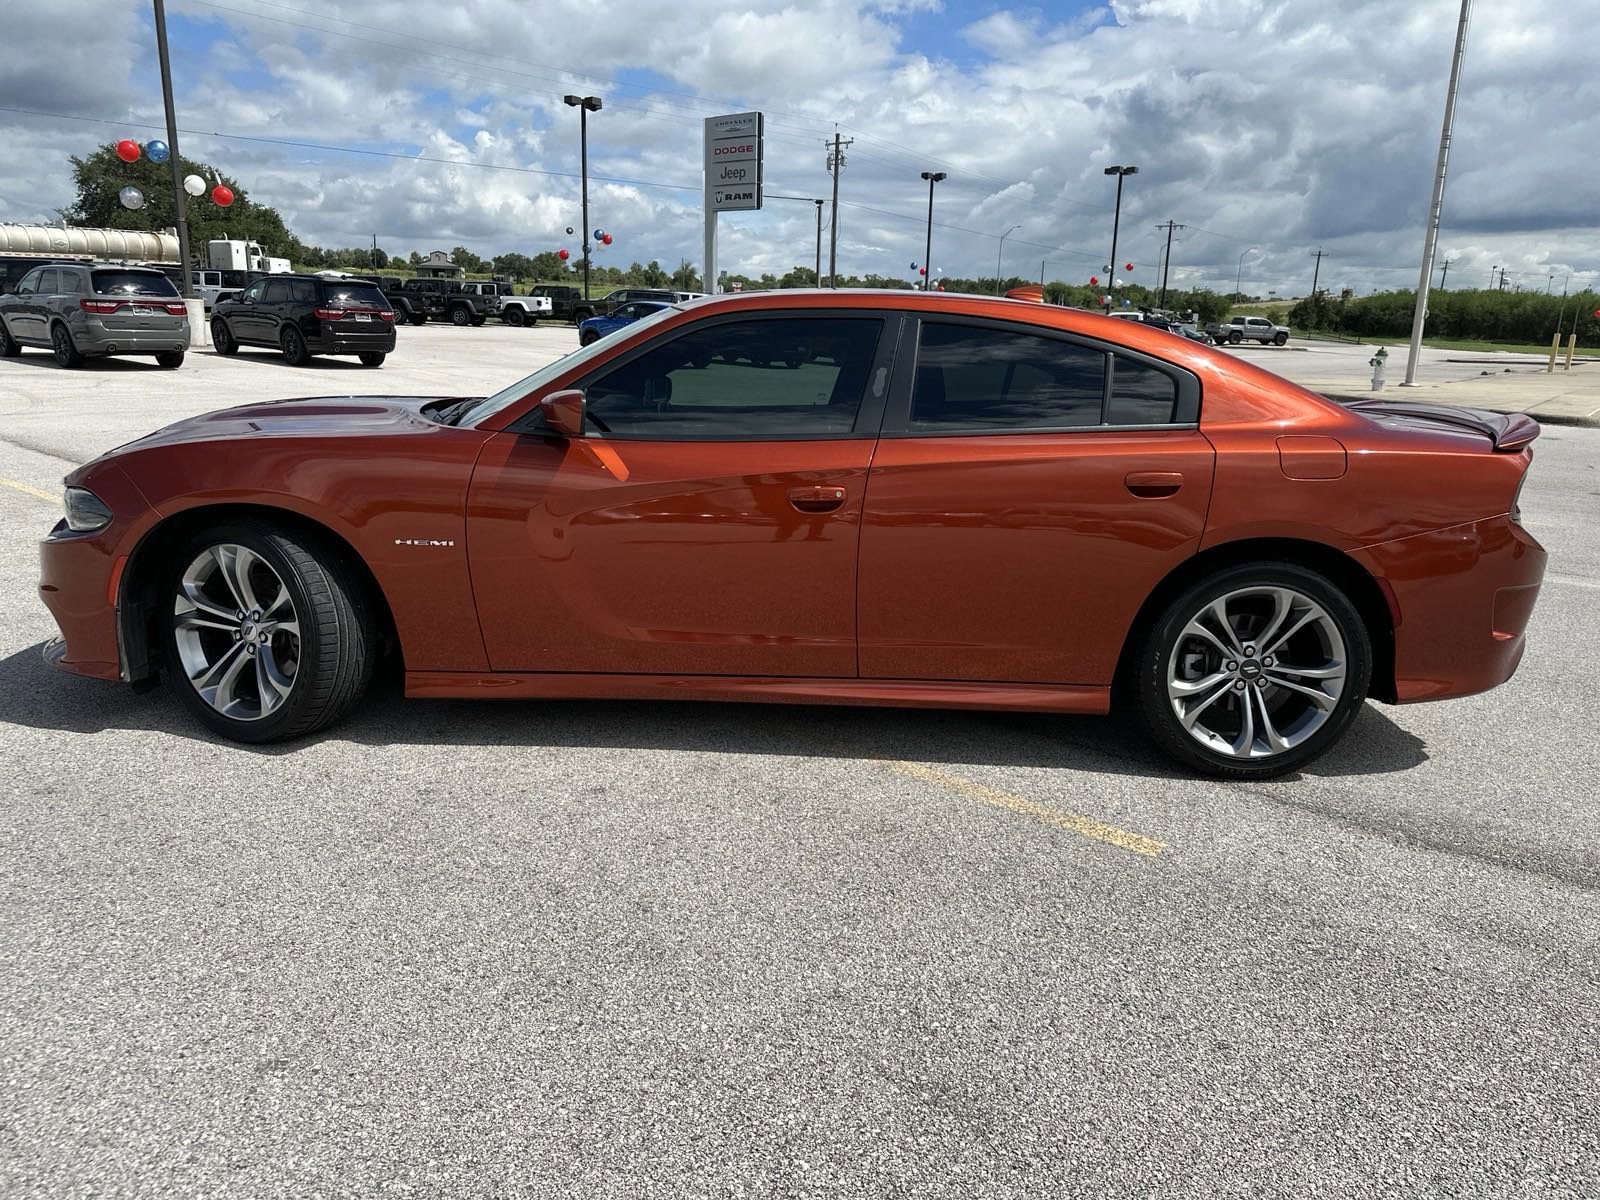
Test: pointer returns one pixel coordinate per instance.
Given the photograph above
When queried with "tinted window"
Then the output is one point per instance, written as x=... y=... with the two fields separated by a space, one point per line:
x=1141 y=395
x=355 y=295
x=47 y=282
x=132 y=283
x=253 y=293
x=72 y=282
x=975 y=378
x=277 y=292
x=302 y=291
x=30 y=281
x=751 y=379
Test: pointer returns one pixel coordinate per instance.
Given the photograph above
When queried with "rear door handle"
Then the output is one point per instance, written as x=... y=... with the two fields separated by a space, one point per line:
x=816 y=499
x=1152 y=485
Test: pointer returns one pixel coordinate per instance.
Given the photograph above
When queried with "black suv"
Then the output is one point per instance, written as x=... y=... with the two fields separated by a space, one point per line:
x=606 y=305
x=306 y=315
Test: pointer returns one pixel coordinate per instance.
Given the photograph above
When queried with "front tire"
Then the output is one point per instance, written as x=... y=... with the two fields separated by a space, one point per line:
x=65 y=350
x=1252 y=672
x=1280 y=339
x=588 y=337
x=268 y=637
x=171 y=359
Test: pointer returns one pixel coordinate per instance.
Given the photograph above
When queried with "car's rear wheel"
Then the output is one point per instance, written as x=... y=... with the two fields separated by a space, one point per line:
x=222 y=337
x=268 y=639
x=294 y=348
x=373 y=358
x=1235 y=338
x=171 y=359
x=1253 y=672
x=9 y=346
x=66 y=351
x=1280 y=339
x=515 y=316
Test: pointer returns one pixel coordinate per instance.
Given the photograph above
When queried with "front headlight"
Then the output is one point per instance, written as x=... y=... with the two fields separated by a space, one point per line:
x=86 y=512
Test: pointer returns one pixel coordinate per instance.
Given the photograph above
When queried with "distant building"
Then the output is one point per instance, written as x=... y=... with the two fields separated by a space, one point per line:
x=439 y=265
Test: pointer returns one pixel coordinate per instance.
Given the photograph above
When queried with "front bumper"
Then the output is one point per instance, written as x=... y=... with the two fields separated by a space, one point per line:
x=1461 y=600
x=77 y=581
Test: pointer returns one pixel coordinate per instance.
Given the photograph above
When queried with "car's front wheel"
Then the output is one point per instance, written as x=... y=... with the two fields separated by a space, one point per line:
x=461 y=315
x=1280 y=339
x=268 y=636
x=588 y=337
x=1253 y=672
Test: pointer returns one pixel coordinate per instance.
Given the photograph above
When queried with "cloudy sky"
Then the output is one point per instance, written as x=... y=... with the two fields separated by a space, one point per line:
x=1269 y=128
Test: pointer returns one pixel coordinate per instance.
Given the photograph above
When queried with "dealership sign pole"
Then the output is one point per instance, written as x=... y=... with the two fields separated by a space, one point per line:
x=733 y=146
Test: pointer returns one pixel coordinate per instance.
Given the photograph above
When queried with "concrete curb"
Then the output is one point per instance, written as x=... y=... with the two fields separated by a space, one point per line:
x=1542 y=418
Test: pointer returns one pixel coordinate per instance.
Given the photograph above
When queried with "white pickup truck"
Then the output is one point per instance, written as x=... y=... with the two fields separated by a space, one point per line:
x=524 y=310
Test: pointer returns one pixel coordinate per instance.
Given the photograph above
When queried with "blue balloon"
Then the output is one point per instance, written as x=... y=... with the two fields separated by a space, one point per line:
x=157 y=151
x=598 y=234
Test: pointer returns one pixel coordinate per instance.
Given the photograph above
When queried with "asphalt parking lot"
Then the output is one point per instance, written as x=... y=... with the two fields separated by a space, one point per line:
x=672 y=950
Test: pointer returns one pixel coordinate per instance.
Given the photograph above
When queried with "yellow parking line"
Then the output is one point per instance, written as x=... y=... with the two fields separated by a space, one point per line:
x=29 y=490
x=1059 y=817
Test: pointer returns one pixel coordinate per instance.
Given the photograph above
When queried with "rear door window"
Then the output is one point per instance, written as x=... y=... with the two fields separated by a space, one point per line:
x=276 y=292
x=48 y=282
x=132 y=283
x=979 y=378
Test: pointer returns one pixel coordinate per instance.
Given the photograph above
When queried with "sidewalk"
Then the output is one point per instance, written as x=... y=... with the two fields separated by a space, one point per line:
x=1562 y=398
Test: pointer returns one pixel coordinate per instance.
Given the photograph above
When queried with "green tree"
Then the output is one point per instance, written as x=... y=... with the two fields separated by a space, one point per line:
x=99 y=177
x=468 y=261
x=514 y=266
x=686 y=279
x=415 y=258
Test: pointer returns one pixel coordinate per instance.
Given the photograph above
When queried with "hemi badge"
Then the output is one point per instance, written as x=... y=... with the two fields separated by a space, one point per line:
x=423 y=542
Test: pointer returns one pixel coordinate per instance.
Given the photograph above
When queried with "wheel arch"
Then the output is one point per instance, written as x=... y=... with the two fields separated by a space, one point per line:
x=138 y=607
x=1363 y=590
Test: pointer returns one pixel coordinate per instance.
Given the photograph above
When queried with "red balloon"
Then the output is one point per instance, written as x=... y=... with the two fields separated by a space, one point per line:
x=922 y=271
x=1094 y=281
x=563 y=255
x=1597 y=314
x=606 y=240
x=222 y=195
x=1127 y=266
x=128 y=150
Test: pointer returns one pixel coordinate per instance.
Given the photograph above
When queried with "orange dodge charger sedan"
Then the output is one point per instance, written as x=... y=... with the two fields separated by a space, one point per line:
x=851 y=497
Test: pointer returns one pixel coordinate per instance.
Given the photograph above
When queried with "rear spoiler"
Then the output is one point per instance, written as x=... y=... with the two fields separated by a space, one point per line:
x=1509 y=432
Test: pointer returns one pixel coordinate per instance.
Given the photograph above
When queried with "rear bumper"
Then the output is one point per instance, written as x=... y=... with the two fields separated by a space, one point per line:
x=1461 y=599
x=379 y=341
x=96 y=340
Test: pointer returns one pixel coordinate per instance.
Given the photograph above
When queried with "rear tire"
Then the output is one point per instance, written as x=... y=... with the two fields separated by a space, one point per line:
x=460 y=315
x=65 y=350
x=294 y=348
x=1235 y=338
x=222 y=337
x=1221 y=704
x=283 y=678
x=171 y=360
x=515 y=316
x=9 y=346
x=372 y=358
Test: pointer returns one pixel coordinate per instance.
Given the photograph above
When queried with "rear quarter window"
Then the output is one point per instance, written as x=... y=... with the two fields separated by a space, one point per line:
x=132 y=283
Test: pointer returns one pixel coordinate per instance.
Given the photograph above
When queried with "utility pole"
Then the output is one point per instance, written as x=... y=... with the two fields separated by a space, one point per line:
x=1430 y=238
x=818 y=273
x=1166 y=260
x=1445 y=273
x=1316 y=273
x=835 y=165
x=180 y=198
x=1492 y=271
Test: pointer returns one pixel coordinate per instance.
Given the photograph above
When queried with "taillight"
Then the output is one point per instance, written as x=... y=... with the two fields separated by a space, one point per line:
x=102 y=307
x=327 y=314
x=386 y=314
x=178 y=309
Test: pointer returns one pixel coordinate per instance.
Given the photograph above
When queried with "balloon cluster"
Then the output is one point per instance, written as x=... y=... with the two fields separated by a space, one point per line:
x=131 y=197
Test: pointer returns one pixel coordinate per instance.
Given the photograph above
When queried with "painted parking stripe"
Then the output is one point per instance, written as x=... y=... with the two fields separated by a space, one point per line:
x=1059 y=817
x=28 y=489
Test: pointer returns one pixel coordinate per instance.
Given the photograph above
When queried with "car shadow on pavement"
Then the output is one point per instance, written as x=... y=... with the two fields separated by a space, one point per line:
x=110 y=364
x=266 y=354
x=36 y=695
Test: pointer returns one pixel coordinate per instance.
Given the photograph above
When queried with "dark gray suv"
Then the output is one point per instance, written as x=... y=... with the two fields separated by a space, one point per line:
x=92 y=310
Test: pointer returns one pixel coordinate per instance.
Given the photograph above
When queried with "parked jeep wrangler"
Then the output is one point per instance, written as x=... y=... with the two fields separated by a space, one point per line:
x=443 y=300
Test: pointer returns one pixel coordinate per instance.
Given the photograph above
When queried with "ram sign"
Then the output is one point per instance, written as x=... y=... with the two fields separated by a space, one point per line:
x=733 y=161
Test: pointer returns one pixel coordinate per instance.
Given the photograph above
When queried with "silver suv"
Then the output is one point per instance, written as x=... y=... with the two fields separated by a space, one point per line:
x=92 y=310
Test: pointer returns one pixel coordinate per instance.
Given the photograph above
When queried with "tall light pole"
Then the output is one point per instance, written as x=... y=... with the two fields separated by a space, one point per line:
x=1238 y=276
x=586 y=105
x=1430 y=239
x=819 y=204
x=932 y=177
x=997 y=255
x=180 y=198
x=1116 y=222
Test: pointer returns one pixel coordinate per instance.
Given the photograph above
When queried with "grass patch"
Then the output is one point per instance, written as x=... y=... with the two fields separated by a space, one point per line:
x=1470 y=346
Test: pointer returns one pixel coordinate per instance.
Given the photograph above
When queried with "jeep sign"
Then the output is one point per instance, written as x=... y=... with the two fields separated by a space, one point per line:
x=733 y=161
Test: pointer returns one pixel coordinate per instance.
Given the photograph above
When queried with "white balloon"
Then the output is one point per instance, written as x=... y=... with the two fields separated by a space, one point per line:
x=194 y=185
x=131 y=197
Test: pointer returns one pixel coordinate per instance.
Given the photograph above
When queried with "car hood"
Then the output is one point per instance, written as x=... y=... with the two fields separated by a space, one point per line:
x=314 y=416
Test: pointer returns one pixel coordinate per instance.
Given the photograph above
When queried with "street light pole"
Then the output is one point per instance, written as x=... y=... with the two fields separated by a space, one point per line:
x=1238 y=276
x=1116 y=222
x=997 y=255
x=819 y=203
x=180 y=198
x=932 y=177
x=586 y=105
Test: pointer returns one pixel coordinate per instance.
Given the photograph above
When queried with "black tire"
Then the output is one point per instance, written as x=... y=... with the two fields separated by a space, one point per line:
x=480 y=319
x=588 y=337
x=418 y=318
x=460 y=315
x=580 y=315
x=515 y=316
x=62 y=345
x=1145 y=685
x=334 y=652
x=222 y=337
x=294 y=347
x=372 y=358
x=9 y=346
x=171 y=360
x=1235 y=338
x=1280 y=339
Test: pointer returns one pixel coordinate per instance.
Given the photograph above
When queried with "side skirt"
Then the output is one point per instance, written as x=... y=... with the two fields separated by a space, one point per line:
x=895 y=693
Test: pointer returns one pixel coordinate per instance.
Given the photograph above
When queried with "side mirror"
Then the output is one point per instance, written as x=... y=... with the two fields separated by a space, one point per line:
x=563 y=412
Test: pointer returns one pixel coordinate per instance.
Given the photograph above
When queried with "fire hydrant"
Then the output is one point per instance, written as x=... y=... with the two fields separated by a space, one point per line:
x=1376 y=362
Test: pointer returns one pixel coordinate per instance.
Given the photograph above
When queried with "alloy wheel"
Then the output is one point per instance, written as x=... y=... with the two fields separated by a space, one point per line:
x=237 y=632
x=1257 y=672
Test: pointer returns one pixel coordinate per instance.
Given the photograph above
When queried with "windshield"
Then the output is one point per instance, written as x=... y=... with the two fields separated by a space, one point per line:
x=545 y=375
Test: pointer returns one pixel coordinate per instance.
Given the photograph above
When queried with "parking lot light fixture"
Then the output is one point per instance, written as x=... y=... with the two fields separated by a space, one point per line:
x=932 y=177
x=1238 y=275
x=585 y=105
x=1121 y=173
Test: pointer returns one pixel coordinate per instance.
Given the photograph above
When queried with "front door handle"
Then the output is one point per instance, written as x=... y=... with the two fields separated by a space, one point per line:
x=816 y=499
x=1152 y=485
